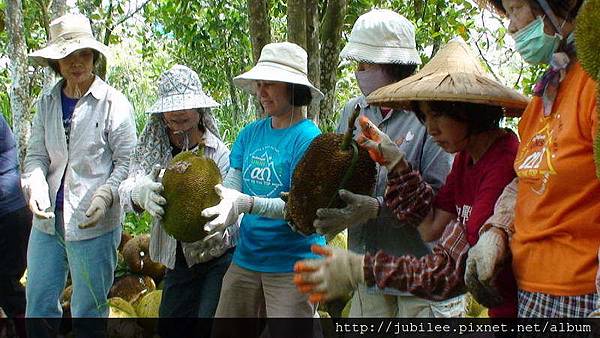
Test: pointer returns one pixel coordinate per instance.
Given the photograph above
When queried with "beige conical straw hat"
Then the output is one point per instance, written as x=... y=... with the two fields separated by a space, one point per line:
x=453 y=74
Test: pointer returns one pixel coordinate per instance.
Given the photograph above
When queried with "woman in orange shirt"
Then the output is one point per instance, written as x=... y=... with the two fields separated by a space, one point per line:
x=555 y=235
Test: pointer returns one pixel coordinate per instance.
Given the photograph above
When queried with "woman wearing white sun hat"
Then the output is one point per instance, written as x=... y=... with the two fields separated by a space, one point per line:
x=382 y=43
x=78 y=154
x=263 y=159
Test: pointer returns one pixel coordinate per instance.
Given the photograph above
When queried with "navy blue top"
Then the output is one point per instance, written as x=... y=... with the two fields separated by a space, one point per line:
x=11 y=196
x=68 y=107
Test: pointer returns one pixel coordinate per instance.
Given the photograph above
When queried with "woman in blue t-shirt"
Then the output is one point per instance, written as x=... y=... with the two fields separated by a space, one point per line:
x=262 y=160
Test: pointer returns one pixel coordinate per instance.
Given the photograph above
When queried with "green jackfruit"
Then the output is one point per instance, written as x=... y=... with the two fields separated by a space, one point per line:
x=120 y=308
x=147 y=306
x=189 y=182
x=329 y=164
x=587 y=37
x=339 y=241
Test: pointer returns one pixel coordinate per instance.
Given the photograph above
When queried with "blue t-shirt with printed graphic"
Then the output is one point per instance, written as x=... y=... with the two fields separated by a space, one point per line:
x=267 y=158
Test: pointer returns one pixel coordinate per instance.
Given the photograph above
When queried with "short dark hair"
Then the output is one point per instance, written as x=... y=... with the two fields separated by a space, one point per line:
x=300 y=95
x=53 y=64
x=565 y=9
x=398 y=71
x=478 y=117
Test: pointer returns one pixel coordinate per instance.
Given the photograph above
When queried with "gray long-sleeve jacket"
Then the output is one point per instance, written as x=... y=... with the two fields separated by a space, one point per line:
x=386 y=232
x=101 y=139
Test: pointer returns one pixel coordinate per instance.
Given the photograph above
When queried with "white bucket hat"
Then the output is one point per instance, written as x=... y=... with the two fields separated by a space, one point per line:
x=68 y=33
x=180 y=88
x=382 y=36
x=281 y=62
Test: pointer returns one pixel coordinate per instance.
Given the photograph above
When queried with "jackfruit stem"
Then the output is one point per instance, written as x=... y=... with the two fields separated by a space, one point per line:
x=351 y=126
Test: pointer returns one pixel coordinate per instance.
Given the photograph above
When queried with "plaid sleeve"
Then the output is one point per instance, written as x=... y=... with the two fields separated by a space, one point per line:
x=408 y=196
x=436 y=276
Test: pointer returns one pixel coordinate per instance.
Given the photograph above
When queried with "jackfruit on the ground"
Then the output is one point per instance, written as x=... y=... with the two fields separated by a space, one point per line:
x=587 y=37
x=318 y=177
x=120 y=308
x=132 y=287
x=136 y=253
x=148 y=305
x=189 y=182
x=339 y=241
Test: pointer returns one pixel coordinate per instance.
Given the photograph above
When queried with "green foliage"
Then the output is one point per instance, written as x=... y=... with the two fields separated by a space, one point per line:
x=136 y=224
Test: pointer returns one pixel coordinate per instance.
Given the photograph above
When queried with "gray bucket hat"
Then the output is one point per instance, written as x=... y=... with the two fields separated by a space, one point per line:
x=180 y=88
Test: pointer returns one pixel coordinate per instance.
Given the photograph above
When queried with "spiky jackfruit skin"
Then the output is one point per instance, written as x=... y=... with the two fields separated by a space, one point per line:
x=318 y=176
x=587 y=37
x=136 y=253
x=147 y=306
x=189 y=182
x=120 y=308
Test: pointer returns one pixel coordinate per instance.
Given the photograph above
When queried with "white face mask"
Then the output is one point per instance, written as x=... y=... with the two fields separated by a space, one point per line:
x=371 y=79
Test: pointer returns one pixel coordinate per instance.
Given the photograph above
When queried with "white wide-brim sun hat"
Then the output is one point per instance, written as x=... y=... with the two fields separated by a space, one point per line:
x=279 y=62
x=68 y=33
x=382 y=36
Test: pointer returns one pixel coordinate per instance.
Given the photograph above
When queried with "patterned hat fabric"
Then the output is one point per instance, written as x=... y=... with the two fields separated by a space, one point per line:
x=180 y=88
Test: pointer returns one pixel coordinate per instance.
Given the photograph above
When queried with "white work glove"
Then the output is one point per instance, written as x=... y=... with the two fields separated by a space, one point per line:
x=36 y=191
x=358 y=210
x=381 y=148
x=101 y=201
x=339 y=272
x=233 y=203
x=146 y=193
x=484 y=261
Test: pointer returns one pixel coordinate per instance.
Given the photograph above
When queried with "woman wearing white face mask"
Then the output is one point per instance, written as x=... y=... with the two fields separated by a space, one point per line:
x=382 y=42
x=551 y=220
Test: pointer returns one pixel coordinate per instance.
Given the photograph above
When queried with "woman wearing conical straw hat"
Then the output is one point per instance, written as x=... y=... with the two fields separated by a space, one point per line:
x=78 y=154
x=461 y=107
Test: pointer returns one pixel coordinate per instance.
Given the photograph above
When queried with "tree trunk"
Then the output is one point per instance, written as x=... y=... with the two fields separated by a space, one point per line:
x=331 y=35
x=20 y=100
x=313 y=50
x=437 y=41
x=260 y=25
x=58 y=8
x=296 y=22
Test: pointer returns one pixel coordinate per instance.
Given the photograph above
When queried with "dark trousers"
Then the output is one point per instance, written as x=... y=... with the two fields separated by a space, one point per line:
x=191 y=292
x=14 y=234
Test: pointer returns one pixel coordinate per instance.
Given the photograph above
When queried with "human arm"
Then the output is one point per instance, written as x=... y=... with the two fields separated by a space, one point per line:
x=435 y=276
x=491 y=250
x=37 y=161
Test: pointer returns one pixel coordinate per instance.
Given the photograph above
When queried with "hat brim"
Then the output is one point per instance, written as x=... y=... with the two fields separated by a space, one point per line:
x=442 y=87
x=181 y=102
x=266 y=72
x=60 y=50
x=377 y=54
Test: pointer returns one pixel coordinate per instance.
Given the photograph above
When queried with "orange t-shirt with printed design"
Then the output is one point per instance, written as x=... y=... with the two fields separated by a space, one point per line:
x=557 y=221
